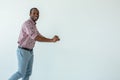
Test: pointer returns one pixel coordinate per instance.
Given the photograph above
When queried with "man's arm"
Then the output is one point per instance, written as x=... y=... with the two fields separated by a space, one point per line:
x=44 y=39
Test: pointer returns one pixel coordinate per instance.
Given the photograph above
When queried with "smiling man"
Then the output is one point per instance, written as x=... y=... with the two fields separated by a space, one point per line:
x=26 y=41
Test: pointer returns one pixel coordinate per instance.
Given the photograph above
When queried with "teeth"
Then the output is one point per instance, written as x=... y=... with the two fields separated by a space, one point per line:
x=35 y=17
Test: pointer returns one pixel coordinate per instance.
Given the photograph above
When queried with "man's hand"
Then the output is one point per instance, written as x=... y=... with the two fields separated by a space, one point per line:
x=55 y=38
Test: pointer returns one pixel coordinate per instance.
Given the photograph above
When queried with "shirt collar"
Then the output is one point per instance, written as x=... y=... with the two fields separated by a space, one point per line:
x=32 y=21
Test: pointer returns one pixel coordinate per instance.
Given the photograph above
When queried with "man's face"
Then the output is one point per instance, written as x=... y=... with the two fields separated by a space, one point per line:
x=34 y=14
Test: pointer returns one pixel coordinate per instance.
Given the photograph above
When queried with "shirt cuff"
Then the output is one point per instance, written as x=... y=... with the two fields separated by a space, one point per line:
x=34 y=36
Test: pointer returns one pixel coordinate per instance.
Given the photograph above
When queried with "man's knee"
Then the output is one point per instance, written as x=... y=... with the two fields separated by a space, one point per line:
x=22 y=74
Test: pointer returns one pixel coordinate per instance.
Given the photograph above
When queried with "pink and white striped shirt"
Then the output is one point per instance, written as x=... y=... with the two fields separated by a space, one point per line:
x=27 y=34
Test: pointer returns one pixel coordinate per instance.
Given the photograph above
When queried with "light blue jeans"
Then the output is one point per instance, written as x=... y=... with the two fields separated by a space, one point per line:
x=25 y=62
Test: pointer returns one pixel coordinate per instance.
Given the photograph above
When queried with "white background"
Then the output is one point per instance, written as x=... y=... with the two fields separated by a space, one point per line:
x=90 y=39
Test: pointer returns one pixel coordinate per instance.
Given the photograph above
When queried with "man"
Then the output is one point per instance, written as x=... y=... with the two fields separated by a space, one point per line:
x=27 y=38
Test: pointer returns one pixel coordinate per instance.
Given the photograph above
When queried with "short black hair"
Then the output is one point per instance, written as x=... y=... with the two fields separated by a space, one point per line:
x=32 y=9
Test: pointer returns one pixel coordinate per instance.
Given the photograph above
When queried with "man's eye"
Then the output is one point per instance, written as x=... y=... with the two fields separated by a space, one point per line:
x=35 y=14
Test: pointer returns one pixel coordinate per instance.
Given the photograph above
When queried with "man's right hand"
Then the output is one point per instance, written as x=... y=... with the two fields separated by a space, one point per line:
x=55 y=38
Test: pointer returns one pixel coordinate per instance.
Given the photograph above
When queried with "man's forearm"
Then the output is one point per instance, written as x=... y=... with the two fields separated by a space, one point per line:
x=43 y=39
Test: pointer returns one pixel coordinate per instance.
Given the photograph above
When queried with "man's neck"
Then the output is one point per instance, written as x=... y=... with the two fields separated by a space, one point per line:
x=33 y=20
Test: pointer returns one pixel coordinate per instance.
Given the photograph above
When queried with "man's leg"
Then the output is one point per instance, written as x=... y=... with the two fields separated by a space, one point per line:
x=23 y=59
x=29 y=67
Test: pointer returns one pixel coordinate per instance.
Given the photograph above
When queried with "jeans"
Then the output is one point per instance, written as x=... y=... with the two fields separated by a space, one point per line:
x=25 y=62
